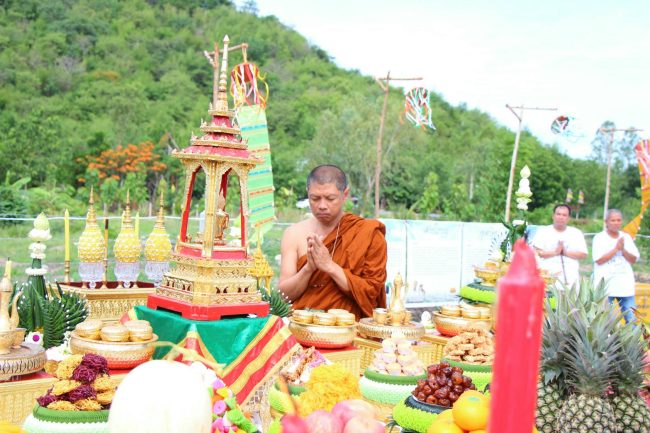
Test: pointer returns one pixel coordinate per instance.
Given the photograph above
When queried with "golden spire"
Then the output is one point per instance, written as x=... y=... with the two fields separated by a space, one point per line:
x=222 y=95
x=160 y=221
x=91 y=242
x=127 y=222
x=215 y=76
x=91 y=218
x=261 y=267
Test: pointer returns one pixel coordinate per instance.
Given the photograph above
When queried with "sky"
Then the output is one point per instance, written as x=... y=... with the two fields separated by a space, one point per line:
x=588 y=59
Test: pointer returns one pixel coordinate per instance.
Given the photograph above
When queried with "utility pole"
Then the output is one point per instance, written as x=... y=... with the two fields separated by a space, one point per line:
x=384 y=83
x=610 y=144
x=515 y=150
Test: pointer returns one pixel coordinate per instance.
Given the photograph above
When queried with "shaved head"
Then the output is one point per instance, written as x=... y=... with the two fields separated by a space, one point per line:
x=324 y=174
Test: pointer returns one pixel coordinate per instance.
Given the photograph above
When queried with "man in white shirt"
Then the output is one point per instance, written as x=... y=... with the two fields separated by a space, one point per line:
x=561 y=247
x=614 y=252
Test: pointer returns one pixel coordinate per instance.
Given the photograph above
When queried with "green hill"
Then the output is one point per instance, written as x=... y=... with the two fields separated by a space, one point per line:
x=79 y=77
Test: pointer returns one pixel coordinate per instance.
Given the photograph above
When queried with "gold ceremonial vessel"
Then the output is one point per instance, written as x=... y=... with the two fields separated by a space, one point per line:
x=114 y=333
x=368 y=328
x=19 y=337
x=121 y=356
x=25 y=359
x=303 y=316
x=396 y=317
x=323 y=336
x=452 y=326
x=488 y=276
x=16 y=358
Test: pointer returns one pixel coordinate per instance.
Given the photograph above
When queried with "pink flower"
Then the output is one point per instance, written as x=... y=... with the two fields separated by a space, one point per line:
x=219 y=407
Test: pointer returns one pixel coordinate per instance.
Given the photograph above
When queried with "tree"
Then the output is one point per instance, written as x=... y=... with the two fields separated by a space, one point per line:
x=250 y=7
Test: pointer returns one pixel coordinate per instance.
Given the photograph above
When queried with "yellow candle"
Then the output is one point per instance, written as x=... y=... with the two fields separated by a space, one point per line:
x=106 y=237
x=8 y=269
x=66 y=236
x=137 y=223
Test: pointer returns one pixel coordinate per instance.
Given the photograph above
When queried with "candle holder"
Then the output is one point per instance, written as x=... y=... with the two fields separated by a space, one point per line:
x=126 y=273
x=155 y=271
x=91 y=273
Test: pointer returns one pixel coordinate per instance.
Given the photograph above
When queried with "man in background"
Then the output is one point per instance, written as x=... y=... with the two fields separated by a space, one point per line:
x=561 y=247
x=614 y=252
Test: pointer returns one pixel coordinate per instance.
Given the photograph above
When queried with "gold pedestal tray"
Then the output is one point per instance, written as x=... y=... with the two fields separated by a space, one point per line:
x=451 y=326
x=110 y=303
x=123 y=355
x=368 y=328
x=26 y=359
x=322 y=336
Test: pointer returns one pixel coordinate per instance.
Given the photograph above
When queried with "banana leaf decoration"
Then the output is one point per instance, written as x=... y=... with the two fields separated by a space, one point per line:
x=279 y=303
x=58 y=312
x=514 y=233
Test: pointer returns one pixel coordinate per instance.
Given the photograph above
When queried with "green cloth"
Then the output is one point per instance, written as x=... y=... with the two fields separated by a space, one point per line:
x=225 y=339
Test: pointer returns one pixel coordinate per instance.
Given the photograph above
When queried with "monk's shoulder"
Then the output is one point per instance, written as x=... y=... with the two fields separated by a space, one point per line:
x=298 y=230
x=366 y=225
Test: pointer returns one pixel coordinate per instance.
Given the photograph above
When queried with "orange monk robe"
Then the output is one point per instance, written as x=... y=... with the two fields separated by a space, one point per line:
x=361 y=251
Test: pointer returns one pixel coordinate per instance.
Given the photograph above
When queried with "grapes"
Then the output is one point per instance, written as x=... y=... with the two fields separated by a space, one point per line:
x=443 y=386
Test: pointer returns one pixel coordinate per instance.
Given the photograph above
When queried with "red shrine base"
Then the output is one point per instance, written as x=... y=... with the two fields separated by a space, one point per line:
x=206 y=312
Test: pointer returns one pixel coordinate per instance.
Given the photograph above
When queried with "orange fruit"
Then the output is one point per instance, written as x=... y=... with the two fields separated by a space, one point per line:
x=444 y=426
x=472 y=392
x=471 y=412
x=445 y=414
x=478 y=431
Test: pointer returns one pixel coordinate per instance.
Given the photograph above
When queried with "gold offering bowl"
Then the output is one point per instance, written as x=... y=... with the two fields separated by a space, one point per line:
x=7 y=339
x=369 y=328
x=488 y=277
x=120 y=356
x=19 y=337
x=25 y=359
x=452 y=326
x=323 y=336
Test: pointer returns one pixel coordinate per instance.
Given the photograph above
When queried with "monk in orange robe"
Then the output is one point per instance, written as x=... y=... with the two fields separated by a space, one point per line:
x=333 y=259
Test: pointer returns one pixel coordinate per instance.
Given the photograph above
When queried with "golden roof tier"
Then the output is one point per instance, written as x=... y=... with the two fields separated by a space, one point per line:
x=212 y=270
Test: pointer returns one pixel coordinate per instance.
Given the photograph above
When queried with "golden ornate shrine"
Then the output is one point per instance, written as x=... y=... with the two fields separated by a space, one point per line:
x=212 y=278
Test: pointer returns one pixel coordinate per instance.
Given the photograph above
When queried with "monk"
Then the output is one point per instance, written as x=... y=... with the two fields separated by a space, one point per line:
x=333 y=259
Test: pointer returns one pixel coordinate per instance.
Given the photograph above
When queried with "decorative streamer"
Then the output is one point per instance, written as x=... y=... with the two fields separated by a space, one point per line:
x=252 y=121
x=643 y=156
x=245 y=85
x=417 y=108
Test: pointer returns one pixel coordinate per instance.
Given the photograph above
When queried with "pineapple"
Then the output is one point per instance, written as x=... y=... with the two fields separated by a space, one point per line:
x=549 y=403
x=551 y=389
x=632 y=414
x=590 y=356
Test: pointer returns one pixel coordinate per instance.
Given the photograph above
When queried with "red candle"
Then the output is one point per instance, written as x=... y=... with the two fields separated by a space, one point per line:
x=518 y=345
